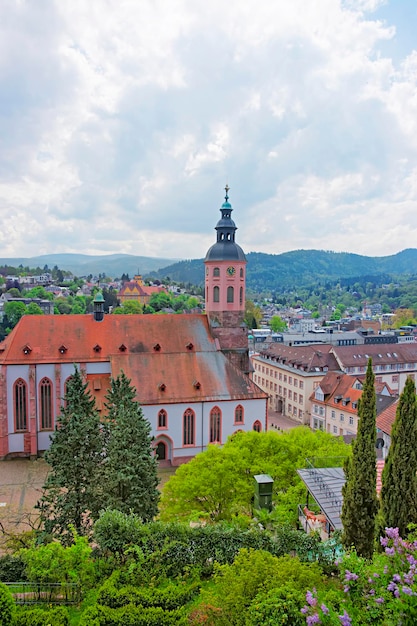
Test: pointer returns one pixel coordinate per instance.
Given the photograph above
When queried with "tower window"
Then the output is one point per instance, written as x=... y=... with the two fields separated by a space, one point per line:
x=241 y=272
x=162 y=419
x=20 y=405
x=216 y=294
x=215 y=422
x=46 y=404
x=216 y=271
x=188 y=428
x=241 y=295
x=230 y=294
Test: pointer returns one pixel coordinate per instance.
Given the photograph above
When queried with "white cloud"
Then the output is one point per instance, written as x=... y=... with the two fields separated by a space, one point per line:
x=122 y=121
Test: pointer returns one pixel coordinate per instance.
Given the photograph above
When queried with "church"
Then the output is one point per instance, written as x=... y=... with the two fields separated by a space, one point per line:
x=190 y=371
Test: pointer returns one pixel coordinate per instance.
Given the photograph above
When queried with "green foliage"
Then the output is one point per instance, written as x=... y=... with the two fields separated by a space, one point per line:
x=7 y=606
x=251 y=578
x=13 y=311
x=130 y=471
x=39 y=292
x=42 y=616
x=12 y=568
x=132 y=616
x=72 y=491
x=168 y=597
x=33 y=309
x=218 y=483
x=277 y=324
x=399 y=477
x=54 y=563
x=279 y=606
x=131 y=307
x=114 y=531
x=360 y=503
x=253 y=314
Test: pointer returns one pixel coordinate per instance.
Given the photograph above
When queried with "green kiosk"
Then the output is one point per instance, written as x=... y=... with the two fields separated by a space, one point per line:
x=263 y=492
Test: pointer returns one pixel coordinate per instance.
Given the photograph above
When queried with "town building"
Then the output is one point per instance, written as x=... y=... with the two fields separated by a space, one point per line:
x=135 y=290
x=188 y=370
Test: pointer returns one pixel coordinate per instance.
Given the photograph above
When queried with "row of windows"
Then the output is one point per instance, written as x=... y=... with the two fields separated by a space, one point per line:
x=266 y=384
x=21 y=405
x=283 y=377
x=216 y=272
x=188 y=438
x=230 y=294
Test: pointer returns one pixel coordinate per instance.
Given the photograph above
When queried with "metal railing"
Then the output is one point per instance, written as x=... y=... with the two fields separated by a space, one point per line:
x=51 y=593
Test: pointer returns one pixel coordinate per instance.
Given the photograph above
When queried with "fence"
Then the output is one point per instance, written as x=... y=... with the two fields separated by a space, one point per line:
x=52 y=593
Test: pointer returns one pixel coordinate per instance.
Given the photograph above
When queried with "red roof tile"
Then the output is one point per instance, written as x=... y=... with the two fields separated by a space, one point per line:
x=386 y=418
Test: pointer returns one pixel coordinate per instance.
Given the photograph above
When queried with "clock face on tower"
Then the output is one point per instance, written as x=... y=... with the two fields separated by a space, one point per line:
x=231 y=270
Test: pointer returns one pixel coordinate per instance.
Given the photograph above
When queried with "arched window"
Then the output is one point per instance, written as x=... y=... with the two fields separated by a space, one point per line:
x=241 y=272
x=216 y=271
x=215 y=425
x=241 y=296
x=257 y=426
x=239 y=414
x=216 y=294
x=230 y=294
x=188 y=428
x=20 y=405
x=162 y=419
x=45 y=398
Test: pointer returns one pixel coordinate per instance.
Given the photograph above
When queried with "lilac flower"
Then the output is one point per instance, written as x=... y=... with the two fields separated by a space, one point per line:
x=390 y=551
x=384 y=541
x=324 y=609
x=392 y=586
x=345 y=619
x=313 y=619
x=305 y=610
x=379 y=600
x=311 y=600
x=392 y=533
x=346 y=588
x=407 y=591
x=396 y=578
x=350 y=575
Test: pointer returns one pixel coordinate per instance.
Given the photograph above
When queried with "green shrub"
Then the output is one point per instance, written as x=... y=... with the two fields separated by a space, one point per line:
x=280 y=606
x=7 y=606
x=132 y=616
x=12 y=569
x=56 y=616
x=168 y=598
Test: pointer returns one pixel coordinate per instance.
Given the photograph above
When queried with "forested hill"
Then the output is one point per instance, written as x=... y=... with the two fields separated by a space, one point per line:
x=274 y=272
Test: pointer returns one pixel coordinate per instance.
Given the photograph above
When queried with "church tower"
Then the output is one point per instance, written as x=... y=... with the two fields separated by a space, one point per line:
x=225 y=289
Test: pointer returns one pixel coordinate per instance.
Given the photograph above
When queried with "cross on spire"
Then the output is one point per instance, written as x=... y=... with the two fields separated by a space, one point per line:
x=227 y=192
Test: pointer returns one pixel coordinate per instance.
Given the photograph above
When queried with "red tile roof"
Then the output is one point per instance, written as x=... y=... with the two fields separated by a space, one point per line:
x=306 y=358
x=381 y=354
x=386 y=418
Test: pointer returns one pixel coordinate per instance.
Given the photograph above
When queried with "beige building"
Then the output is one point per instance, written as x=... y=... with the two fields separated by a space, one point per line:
x=290 y=375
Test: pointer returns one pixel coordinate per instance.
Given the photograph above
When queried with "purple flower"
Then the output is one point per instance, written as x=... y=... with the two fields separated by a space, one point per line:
x=345 y=619
x=407 y=591
x=311 y=600
x=384 y=541
x=313 y=619
x=305 y=610
x=390 y=551
x=350 y=575
x=379 y=600
x=324 y=609
x=396 y=578
x=392 y=533
x=346 y=588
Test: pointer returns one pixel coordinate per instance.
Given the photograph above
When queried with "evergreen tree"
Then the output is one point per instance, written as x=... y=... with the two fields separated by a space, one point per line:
x=130 y=473
x=71 y=490
x=360 y=503
x=399 y=478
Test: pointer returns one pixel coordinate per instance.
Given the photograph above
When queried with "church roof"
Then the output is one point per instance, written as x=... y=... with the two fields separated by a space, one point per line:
x=169 y=358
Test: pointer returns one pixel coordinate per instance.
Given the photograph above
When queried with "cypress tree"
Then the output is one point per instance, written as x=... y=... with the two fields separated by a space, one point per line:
x=70 y=493
x=399 y=477
x=130 y=471
x=360 y=503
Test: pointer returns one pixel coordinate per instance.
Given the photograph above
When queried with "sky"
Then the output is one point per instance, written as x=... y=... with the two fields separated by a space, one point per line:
x=121 y=121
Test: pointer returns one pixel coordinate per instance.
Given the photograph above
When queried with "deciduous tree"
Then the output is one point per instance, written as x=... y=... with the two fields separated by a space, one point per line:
x=360 y=503
x=399 y=477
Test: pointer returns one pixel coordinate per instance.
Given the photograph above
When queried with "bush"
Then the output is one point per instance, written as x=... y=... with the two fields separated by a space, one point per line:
x=56 y=616
x=168 y=598
x=132 y=616
x=12 y=569
x=7 y=606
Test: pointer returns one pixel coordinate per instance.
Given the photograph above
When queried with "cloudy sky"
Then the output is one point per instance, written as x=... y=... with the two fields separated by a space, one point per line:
x=122 y=120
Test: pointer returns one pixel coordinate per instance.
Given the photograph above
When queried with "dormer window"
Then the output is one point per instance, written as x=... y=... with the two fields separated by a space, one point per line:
x=62 y=349
x=122 y=348
x=189 y=346
x=196 y=384
x=27 y=349
x=337 y=399
x=157 y=347
x=162 y=386
x=97 y=348
x=345 y=401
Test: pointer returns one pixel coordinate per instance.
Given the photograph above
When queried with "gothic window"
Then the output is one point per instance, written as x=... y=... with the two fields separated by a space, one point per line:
x=241 y=296
x=162 y=419
x=257 y=426
x=230 y=294
x=215 y=423
x=239 y=414
x=45 y=396
x=216 y=271
x=241 y=272
x=20 y=405
x=188 y=428
x=216 y=294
